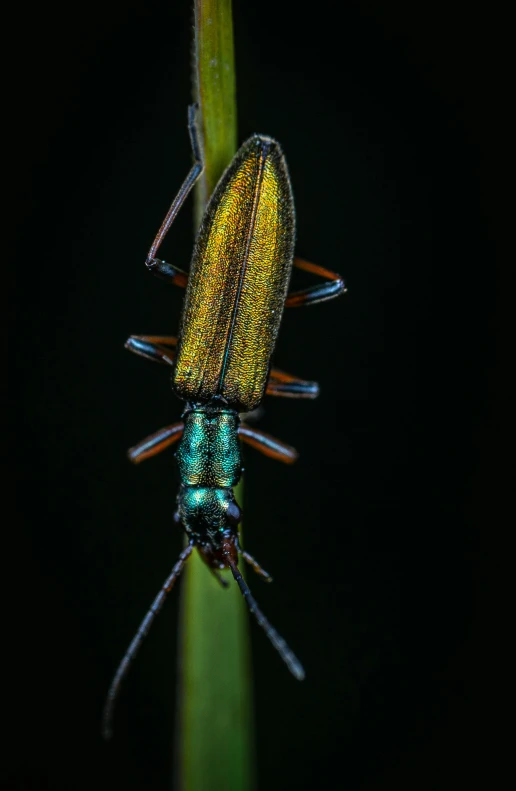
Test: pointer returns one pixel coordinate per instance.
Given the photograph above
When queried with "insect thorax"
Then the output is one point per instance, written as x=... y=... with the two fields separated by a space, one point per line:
x=210 y=465
x=209 y=453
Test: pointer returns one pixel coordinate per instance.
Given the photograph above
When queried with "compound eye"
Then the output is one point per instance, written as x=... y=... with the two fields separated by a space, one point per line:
x=233 y=513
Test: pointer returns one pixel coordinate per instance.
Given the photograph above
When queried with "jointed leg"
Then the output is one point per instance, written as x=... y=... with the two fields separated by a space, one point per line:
x=269 y=446
x=288 y=386
x=151 y=446
x=153 y=347
x=159 y=267
x=171 y=274
x=318 y=293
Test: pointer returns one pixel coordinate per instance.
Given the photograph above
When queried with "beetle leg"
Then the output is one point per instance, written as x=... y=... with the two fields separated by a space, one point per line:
x=171 y=274
x=153 y=347
x=268 y=445
x=318 y=293
x=151 y=446
x=288 y=386
x=197 y=168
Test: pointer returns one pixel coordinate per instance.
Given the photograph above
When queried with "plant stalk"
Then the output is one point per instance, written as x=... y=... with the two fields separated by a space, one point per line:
x=215 y=744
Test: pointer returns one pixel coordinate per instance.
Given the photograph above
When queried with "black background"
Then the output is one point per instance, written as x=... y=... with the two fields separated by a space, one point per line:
x=384 y=538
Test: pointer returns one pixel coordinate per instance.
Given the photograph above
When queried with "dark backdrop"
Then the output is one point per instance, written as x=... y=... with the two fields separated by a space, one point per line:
x=381 y=537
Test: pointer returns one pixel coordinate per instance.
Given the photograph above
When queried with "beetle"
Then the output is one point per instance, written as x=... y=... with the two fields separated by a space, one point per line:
x=236 y=289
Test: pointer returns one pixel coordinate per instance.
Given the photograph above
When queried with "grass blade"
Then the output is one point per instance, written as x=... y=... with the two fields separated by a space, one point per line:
x=215 y=716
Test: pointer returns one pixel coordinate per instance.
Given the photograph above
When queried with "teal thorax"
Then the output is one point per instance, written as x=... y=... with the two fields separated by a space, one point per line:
x=210 y=466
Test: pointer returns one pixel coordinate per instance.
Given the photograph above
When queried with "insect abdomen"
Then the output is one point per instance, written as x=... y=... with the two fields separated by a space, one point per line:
x=238 y=281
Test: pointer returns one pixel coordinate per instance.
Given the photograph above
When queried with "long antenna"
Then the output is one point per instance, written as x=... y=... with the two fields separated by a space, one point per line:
x=288 y=656
x=114 y=689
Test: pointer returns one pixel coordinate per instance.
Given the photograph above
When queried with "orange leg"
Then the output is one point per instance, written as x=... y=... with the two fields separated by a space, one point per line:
x=268 y=445
x=288 y=386
x=309 y=296
x=171 y=274
x=155 y=265
x=151 y=446
x=153 y=347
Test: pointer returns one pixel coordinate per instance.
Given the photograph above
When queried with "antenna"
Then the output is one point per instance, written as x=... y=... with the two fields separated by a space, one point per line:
x=288 y=656
x=114 y=689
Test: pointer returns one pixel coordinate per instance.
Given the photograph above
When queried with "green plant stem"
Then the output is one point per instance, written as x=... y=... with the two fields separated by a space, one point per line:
x=215 y=716
x=215 y=91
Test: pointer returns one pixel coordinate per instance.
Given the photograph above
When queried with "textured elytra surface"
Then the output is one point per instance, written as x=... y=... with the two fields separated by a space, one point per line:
x=238 y=281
